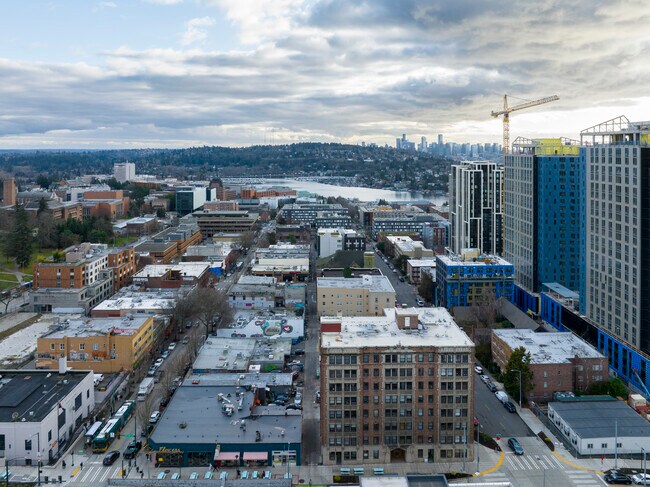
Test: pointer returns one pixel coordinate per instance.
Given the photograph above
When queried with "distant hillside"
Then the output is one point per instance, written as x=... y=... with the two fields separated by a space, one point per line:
x=369 y=164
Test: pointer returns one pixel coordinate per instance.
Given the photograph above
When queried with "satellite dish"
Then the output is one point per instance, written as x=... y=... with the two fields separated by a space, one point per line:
x=15 y=415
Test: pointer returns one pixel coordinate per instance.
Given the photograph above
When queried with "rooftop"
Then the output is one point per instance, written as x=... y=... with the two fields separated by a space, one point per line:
x=601 y=419
x=370 y=282
x=198 y=408
x=257 y=280
x=140 y=301
x=235 y=354
x=187 y=269
x=89 y=327
x=30 y=395
x=436 y=327
x=482 y=260
x=157 y=247
x=548 y=348
x=243 y=380
x=430 y=262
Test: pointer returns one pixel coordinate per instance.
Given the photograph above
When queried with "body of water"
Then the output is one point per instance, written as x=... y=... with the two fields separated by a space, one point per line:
x=352 y=192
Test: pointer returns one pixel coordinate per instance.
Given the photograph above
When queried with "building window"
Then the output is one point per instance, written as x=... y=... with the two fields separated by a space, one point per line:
x=590 y=445
x=62 y=346
x=28 y=445
x=603 y=445
x=95 y=346
x=82 y=346
x=52 y=346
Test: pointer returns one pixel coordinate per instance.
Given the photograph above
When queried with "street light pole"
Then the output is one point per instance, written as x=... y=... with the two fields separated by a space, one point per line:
x=518 y=370
x=616 y=444
x=477 y=423
x=465 y=442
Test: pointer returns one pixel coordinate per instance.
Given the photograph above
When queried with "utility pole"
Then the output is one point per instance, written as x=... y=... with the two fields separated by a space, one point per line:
x=616 y=444
x=465 y=442
x=517 y=370
x=477 y=423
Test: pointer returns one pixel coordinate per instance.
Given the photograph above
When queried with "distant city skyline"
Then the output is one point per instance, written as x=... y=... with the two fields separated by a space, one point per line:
x=179 y=73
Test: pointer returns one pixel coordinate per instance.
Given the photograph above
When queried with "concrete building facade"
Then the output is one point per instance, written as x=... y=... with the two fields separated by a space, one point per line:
x=355 y=296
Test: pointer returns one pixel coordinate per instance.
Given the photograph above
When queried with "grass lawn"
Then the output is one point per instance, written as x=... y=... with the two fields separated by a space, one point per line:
x=7 y=277
x=124 y=240
x=7 y=285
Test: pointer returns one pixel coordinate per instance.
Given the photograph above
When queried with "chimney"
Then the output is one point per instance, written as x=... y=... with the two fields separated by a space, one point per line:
x=63 y=366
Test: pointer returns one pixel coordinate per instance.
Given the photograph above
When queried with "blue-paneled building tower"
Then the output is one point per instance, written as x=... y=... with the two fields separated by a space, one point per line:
x=544 y=212
x=472 y=279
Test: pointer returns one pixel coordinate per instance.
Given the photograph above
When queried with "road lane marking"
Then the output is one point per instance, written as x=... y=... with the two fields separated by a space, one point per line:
x=495 y=468
x=575 y=465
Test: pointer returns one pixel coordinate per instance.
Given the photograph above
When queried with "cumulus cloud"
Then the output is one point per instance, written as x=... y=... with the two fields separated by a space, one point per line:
x=195 y=30
x=104 y=5
x=346 y=70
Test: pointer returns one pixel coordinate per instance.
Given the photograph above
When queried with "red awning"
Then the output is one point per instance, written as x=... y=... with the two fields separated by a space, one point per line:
x=227 y=456
x=256 y=456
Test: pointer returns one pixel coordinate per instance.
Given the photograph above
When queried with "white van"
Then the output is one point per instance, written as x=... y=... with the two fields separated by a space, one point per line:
x=501 y=396
x=97 y=379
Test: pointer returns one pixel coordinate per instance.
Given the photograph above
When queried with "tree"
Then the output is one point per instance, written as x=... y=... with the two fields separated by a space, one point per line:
x=46 y=238
x=400 y=262
x=19 y=244
x=426 y=287
x=381 y=246
x=614 y=387
x=484 y=307
x=6 y=297
x=143 y=409
x=272 y=238
x=43 y=181
x=292 y=239
x=246 y=241
x=183 y=310
x=347 y=272
x=519 y=362
x=211 y=308
x=42 y=206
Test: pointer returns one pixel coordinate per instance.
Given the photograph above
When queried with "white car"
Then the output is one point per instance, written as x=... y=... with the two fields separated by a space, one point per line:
x=641 y=479
x=155 y=416
x=478 y=369
x=171 y=346
x=484 y=378
x=158 y=362
x=298 y=399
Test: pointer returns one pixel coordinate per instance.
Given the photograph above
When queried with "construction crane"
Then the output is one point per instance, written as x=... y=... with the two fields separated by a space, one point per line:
x=506 y=115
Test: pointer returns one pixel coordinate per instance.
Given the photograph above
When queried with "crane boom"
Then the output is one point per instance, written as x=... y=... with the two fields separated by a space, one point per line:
x=506 y=115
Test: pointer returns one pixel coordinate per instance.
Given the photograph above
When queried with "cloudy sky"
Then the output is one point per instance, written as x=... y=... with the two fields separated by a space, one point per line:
x=176 y=73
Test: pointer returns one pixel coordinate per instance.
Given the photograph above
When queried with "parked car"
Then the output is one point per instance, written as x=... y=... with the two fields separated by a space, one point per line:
x=159 y=362
x=165 y=354
x=152 y=371
x=484 y=378
x=615 y=477
x=299 y=352
x=110 y=457
x=515 y=446
x=155 y=416
x=478 y=369
x=501 y=396
x=171 y=346
x=294 y=362
x=298 y=399
x=492 y=386
x=641 y=479
x=510 y=407
x=185 y=341
x=293 y=406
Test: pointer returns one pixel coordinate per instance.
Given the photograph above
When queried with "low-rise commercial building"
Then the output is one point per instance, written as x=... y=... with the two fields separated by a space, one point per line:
x=213 y=221
x=367 y=295
x=469 y=281
x=331 y=240
x=40 y=411
x=286 y=262
x=253 y=292
x=406 y=246
x=156 y=252
x=595 y=424
x=559 y=361
x=396 y=388
x=416 y=268
x=130 y=301
x=226 y=426
x=103 y=345
x=225 y=354
x=172 y=276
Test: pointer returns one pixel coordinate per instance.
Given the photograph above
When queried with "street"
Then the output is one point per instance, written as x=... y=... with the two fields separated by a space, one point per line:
x=404 y=293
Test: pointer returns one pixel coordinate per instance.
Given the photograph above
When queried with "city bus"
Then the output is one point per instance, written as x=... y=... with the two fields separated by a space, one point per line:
x=92 y=432
x=111 y=429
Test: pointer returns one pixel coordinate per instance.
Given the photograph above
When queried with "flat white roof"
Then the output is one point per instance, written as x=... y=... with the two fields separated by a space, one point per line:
x=88 y=327
x=436 y=328
x=430 y=262
x=280 y=266
x=481 y=260
x=372 y=283
x=548 y=348
x=189 y=269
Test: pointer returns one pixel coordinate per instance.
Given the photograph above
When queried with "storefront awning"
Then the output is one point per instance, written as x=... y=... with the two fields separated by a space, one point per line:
x=256 y=456
x=226 y=456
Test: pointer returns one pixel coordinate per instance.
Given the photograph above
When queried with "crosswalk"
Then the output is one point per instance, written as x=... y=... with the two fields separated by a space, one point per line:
x=582 y=478
x=538 y=462
x=96 y=473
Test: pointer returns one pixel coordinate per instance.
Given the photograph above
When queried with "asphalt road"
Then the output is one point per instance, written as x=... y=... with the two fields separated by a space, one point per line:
x=405 y=293
x=495 y=419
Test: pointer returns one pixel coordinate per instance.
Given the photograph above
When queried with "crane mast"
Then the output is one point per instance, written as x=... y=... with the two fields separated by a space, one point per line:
x=506 y=115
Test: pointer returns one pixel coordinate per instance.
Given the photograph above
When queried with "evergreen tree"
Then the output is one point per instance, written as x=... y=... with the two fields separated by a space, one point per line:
x=19 y=240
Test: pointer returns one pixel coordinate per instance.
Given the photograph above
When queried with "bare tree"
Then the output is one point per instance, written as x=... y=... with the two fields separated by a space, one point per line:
x=212 y=309
x=246 y=241
x=484 y=308
x=183 y=310
x=193 y=346
x=7 y=297
x=144 y=409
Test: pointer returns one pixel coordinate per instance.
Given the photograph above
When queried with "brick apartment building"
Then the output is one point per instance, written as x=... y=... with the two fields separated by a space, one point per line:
x=560 y=361
x=397 y=388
